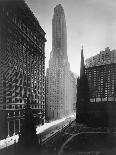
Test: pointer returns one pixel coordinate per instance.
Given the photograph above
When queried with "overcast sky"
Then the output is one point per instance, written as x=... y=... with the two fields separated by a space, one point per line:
x=91 y=23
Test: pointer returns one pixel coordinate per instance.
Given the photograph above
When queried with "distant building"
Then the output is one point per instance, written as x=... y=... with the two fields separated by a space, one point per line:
x=22 y=67
x=74 y=90
x=101 y=73
x=59 y=79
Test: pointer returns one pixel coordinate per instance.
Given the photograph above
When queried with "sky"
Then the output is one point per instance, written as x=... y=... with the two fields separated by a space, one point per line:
x=91 y=23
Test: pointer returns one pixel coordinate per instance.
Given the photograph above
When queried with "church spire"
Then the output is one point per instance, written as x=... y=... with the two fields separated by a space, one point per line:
x=82 y=66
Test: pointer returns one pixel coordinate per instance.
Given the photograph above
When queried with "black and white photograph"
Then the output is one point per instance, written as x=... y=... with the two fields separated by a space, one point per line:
x=57 y=77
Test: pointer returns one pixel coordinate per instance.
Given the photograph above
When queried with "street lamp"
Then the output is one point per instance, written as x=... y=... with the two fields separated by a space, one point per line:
x=14 y=123
x=8 y=125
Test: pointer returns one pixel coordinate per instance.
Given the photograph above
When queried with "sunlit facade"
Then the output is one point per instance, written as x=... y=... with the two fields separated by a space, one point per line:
x=101 y=74
x=59 y=79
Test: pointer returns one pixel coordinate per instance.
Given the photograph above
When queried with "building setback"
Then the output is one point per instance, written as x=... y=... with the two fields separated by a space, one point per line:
x=101 y=73
x=22 y=63
x=59 y=79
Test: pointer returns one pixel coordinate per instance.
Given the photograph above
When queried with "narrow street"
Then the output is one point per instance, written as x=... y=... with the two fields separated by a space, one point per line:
x=79 y=139
x=55 y=144
x=49 y=144
x=75 y=139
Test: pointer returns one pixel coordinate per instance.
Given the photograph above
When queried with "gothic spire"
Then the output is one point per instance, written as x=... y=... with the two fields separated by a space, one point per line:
x=82 y=66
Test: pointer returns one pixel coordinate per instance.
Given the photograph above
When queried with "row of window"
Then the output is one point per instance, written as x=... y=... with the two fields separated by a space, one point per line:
x=38 y=40
x=17 y=107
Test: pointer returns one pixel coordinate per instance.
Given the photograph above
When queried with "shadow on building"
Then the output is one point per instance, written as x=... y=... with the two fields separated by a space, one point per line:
x=96 y=97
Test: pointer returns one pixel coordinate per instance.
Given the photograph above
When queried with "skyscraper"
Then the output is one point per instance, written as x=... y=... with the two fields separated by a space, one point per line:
x=22 y=63
x=59 y=80
x=59 y=32
x=101 y=72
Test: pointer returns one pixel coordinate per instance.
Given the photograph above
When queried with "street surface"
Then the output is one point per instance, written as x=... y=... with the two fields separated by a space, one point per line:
x=75 y=139
x=40 y=129
x=78 y=139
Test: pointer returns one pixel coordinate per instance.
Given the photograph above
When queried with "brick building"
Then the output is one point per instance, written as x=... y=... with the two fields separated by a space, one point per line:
x=101 y=73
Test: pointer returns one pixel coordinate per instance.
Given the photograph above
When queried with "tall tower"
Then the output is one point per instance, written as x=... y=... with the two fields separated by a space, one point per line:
x=82 y=66
x=22 y=65
x=59 y=85
x=59 y=33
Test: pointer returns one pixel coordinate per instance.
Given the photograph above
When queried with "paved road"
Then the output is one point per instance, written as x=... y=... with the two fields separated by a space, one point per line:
x=14 y=139
x=69 y=139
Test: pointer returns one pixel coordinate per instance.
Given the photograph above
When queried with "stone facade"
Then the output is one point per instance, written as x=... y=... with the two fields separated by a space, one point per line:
x=103 y=58
x=59 y=80
x=22 y=62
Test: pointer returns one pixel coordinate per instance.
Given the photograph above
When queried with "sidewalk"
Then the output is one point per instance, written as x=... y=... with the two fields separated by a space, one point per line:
x=9 y=141
x=14 y=139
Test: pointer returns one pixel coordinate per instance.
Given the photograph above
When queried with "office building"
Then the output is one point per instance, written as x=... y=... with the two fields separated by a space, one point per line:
x=101 y=73
x=22 y=67
x=59 y=80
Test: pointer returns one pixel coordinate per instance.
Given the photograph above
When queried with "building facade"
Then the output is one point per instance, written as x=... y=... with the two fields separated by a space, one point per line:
x=101 y=73
x=22 y=62
x=59 y=85
x=74 y=90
